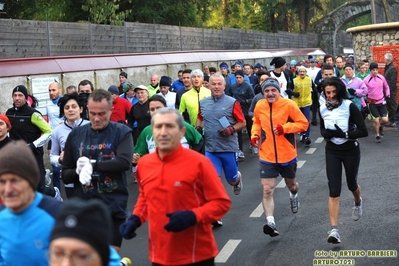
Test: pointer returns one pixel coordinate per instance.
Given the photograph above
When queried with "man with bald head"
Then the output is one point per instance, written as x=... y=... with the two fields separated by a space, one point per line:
x=153 y=88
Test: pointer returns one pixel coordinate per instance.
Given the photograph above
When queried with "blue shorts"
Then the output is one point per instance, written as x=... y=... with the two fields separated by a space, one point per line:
x=274 y=170
x=227 y=161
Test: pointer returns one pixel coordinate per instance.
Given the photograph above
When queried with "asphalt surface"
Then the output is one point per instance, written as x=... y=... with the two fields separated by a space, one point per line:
x=303 y=236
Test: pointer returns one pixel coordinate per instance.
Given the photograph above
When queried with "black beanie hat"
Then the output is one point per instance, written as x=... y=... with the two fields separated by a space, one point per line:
x=18 y=159
x=165 y=81
x=21 y=88
x=278 y=62
x=88 y=221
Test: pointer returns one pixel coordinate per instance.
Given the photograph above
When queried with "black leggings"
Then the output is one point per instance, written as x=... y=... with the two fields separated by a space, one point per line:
x=334 y=161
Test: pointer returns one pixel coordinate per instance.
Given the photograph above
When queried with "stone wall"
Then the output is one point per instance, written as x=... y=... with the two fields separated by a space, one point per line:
x=365 y=37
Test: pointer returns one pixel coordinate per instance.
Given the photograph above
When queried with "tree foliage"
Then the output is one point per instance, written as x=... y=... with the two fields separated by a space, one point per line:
x=263 y=15
x=105 y=11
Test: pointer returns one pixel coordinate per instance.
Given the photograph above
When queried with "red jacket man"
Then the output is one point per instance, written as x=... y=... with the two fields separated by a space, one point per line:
x=181 y=195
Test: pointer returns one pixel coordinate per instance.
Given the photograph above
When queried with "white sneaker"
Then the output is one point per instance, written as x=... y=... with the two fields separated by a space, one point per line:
x=47 y=177
x=57 y=195
x=333 y=237
x=237 y=188
x=294 y=203
x=357 y=211
x=255 y=150
x=241 y=155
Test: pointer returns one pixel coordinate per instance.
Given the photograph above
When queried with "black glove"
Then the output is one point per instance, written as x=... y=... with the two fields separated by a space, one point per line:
x=338 y=133
x=128 y=228
x=180 y=220
x=328 y=134
x=200 y=130
x=296 y=94
x=351 y=91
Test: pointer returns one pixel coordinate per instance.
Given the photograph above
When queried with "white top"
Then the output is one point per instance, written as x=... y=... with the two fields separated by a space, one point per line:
x=170 y=99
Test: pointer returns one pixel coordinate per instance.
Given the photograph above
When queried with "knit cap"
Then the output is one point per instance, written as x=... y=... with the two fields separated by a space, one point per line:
x=258 y=65
x=239 y=63
x=21 y=88
x=278 y=62
x=7 y=121
x=18 y=159
x=88 y=221
x=113 y=90
x=224 y=65
x=270 y=82
x=165 y=81
x=127 y=86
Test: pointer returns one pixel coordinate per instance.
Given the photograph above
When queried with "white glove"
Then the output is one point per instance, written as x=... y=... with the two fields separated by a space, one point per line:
x=85 y=174
x=80 y=163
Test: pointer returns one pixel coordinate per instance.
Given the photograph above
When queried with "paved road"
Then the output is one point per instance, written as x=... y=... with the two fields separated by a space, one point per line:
x=303 y=236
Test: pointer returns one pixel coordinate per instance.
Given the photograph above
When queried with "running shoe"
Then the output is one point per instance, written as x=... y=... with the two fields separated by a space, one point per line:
x=218 y=223
x=241 y=155
x=357 y=211
x=57 y=195
x=270 y=229
x=255 y=150
x=294 y=203
x=237 y=188
x=377 y=139
x=381 y=131
x=47 y=177
x=333 y=237
x=307 y=141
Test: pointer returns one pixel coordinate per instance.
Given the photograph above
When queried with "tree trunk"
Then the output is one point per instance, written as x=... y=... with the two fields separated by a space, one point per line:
x=302 y=15
x=285 y=23
x=386 y=9
x=272 y=23
x=225 y=11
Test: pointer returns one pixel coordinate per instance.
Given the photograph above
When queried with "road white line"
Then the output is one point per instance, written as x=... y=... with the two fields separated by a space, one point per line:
x=258 y=211
x=300 y=163
x=227 y=250
x=310 y=151
x=319 y=140
x=281 y=184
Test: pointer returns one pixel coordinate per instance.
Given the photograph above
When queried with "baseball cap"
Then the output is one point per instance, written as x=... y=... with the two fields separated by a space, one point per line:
x=141 y=87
